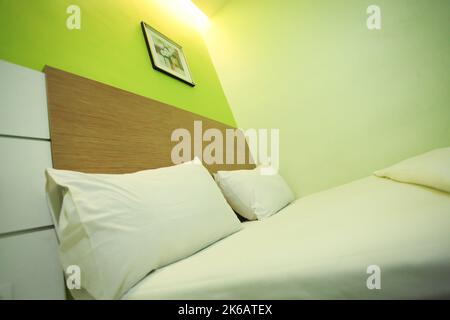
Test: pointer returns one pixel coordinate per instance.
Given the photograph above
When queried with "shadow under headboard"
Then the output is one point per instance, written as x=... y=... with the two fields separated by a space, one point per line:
x=98 y=128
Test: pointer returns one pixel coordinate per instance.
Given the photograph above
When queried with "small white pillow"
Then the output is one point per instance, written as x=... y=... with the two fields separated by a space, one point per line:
x=254 y=195
x=119 y=227
x=431 y=169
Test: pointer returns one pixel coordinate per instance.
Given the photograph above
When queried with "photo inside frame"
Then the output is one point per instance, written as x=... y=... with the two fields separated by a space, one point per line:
x=168 y=55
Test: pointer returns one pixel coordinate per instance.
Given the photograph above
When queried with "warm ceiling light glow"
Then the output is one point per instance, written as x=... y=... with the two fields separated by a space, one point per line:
x=187 y=11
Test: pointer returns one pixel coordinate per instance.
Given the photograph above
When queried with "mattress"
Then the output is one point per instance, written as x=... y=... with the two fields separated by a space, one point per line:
x=321 y=246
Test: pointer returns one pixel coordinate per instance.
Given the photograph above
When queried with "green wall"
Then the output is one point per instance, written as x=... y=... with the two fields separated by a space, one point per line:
x=347 y=100
x=110 y=48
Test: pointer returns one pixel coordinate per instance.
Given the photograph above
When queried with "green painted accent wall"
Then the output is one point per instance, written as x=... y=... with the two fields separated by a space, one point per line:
x=347 y=100
x=110 y=48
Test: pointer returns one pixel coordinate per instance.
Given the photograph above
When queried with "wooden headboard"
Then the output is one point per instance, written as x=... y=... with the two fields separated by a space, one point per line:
x=97 y=128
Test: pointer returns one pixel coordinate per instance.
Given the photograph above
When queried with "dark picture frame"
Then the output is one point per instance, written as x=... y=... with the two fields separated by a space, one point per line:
x=166 y=55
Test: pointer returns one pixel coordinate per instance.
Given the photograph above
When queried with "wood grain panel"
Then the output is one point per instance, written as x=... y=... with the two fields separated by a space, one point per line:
x=97 y=128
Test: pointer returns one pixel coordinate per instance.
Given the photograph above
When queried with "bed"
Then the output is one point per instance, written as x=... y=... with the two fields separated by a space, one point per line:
x=320 y=247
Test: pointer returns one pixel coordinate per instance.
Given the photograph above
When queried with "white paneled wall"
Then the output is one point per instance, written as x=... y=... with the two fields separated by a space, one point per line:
x=22 y=182
x=23 y=102
x=29 y=265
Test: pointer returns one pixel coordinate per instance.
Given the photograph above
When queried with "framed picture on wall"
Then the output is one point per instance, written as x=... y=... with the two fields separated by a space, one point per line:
x=166 y=55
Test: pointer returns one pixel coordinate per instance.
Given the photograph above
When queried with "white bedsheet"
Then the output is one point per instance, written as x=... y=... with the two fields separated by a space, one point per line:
x=320 y=246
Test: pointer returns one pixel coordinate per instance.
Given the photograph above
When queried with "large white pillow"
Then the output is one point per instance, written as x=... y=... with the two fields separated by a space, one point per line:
x=119 y=227
x=252 y=194
x=431 y=169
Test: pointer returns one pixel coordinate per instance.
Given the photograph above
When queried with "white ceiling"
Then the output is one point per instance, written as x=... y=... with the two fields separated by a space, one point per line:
x=210 y=7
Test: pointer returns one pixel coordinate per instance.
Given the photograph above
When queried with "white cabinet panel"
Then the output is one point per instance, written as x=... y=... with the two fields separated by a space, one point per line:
x=22 y=184
x=23 y=102
x=29 y=266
